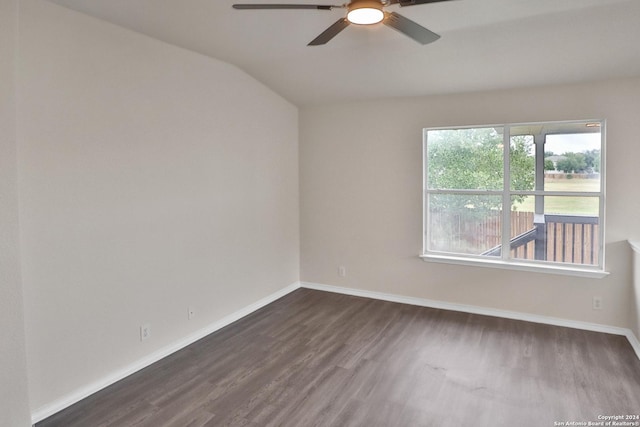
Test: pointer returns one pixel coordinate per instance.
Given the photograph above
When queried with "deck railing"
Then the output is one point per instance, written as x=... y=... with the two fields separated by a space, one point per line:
x=572 y=238
x=557 y=238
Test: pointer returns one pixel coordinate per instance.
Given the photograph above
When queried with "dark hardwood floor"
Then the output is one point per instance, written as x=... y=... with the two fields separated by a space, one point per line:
x=322 y=359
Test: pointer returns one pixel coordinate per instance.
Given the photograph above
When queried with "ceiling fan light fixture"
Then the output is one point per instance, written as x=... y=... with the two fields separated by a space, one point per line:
x=365 y=12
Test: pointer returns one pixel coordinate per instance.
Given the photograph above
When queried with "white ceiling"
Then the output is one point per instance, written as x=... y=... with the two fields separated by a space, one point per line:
x=485 y=44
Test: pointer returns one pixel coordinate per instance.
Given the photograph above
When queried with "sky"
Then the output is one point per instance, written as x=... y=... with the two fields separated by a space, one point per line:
x=576 y=143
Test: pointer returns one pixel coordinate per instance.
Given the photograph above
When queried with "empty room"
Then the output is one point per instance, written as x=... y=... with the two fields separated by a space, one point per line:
x=306 y=213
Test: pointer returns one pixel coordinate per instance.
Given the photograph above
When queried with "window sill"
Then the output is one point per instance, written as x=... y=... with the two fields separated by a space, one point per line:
x=518 y=266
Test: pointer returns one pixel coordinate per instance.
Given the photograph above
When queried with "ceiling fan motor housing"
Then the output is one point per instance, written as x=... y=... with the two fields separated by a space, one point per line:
x=365 y=12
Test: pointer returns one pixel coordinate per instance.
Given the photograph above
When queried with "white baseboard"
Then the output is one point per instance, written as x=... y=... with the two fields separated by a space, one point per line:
x=633 y=340
x=68 y=400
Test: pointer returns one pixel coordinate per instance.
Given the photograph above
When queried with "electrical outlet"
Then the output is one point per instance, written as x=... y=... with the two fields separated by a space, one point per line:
x=145 y=331
x=191 y=313
x=597 y=303
x=342 y=271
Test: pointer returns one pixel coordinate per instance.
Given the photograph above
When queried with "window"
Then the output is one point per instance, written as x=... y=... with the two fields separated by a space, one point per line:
x=536 y=189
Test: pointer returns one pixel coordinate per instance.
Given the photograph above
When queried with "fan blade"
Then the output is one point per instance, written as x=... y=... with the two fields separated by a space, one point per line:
x=285 y=6
x=330 y=32
x=403 y=3
x=409 y=28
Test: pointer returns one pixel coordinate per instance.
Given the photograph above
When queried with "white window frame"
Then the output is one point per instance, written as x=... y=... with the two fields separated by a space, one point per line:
x=505 y=262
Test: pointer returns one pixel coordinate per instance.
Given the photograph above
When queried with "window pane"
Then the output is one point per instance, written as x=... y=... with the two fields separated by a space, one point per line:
x=553 y=184
x=465 y=159
x=559 y=204
x=562 y=205
x=572 y=161
x=568 y=232
x=572 y=182
x=522 y=163
x=523 y=203
x=464 y=224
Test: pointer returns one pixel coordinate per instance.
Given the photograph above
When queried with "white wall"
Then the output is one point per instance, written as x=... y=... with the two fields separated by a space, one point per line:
x=635 y=297
x=151 y=179
x=361 y=199
x=14 y=403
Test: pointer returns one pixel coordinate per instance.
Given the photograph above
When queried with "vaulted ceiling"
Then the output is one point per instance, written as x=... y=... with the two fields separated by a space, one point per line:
x=485 y=44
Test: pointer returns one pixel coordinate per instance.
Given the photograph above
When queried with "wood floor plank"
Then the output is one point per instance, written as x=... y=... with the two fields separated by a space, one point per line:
x=321 y=359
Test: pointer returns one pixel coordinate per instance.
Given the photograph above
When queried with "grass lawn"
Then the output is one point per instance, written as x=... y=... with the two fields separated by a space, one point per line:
x=566 y=205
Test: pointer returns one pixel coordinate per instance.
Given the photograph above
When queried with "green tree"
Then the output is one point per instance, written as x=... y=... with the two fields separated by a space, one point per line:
x=472 y=159
x=465 y=159
x=548 y=165
x=522 y=164
x=572 y=163
x=592 y=158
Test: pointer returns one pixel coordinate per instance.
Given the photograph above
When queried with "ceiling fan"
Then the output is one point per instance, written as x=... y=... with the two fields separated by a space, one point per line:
x=362 y=12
